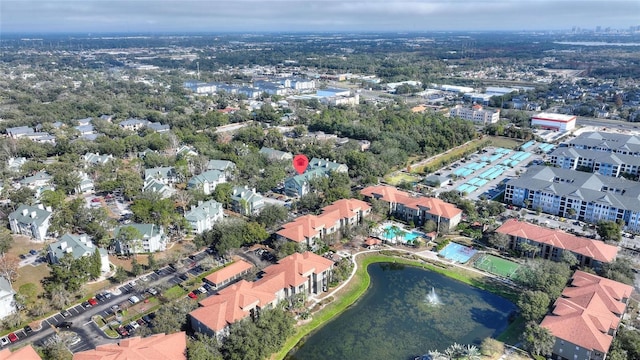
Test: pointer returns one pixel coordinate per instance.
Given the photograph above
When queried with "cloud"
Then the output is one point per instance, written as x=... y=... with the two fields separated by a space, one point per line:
x=312 y=15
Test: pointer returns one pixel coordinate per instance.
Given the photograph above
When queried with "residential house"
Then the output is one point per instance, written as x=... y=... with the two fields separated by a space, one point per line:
x=585 y=318
x=38 y=180
x=299 y=185
x=78 y=246
x=156 y=186
x=204 y=216
x=24 y=353
x=307 y=274
x=152 y=239
x=226 y=166
x=307 y=230
x=15 y=164
x=576 y=194
x=7 y=303
x=134 y=124
x=41 y=137
x=186 y=151
x=86 y=185
x=246 y=201
x=152 y=347
x=415 y=208
x=31 y=221
x=228 y=274
x=166 y=175
x=96 y=159
x=207 y=181
x=275 y=155
x=552 y=243
x=20 y=131
x=158 y=127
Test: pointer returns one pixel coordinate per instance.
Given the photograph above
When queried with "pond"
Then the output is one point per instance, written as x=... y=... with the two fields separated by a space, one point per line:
x=397 y=318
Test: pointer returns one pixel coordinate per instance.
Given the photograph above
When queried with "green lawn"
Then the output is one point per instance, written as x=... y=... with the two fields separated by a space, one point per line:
x=174 y=292
x=398 y=178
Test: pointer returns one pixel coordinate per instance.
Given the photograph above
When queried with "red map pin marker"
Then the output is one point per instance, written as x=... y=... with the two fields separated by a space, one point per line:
x=300 y=163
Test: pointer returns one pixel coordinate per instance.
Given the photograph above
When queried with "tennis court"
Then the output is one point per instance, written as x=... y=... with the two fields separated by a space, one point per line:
x=497 y=266
x=456 y=252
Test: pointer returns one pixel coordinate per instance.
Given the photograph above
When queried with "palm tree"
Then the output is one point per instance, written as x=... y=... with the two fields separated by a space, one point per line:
x=395 y=230
x=472 y=352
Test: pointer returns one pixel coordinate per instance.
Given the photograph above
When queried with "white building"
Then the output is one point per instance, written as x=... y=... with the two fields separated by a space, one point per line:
x=78 y=246
x=204 y=216
x=31 y=221
x=556 y=122
x=152 y=240
x=7 y=305
x=476 y=114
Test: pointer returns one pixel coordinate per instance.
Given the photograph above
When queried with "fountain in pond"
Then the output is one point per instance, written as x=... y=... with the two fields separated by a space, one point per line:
x=432 y=297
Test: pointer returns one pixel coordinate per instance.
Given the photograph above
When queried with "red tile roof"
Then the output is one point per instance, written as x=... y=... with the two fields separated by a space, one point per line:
x=587 y=310
x=234 y=302
x=231 y=304
x=308 y=226
x=431 y=205
x=24 y=353
x=228 y=272
x=154 y=347
x=594 y=249
x=371 y=241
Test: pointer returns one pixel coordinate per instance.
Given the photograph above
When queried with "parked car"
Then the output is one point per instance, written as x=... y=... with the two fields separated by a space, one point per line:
x=134 y=324
x=115 y=308
x=28 y=329
x=86 y=305
x=141 y=322
x=12 y=337
x=134 y=299
x=65 y=313
x=202 y=290
x=122 y=331
x=152 y=291
x=193 y=295
x=64 y=325
x=93 y=301
x=33 y=252
x=4 y=341
x=207 y=287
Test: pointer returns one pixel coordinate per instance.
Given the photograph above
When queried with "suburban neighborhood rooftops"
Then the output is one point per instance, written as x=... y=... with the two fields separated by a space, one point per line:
x=228 y=272
x=23 y=353
x=390 y=194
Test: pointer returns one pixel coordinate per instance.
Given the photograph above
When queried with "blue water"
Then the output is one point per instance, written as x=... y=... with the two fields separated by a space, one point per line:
x=402 y=235
x=456 y=252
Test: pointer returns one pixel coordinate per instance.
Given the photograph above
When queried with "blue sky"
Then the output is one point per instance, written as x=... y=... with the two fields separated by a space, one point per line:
x=312 y=15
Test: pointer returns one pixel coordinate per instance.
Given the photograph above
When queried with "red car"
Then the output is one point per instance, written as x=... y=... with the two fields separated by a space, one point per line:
x=93 y=301
x=12 y=337
x=193 y=295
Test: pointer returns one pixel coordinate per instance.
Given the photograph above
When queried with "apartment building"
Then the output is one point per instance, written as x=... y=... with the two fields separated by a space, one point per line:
x=578 y=195
x=585 y=318
x=599 y=162
x=552 y=243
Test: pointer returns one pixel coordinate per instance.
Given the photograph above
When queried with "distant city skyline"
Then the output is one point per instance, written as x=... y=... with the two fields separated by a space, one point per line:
x=95 y=16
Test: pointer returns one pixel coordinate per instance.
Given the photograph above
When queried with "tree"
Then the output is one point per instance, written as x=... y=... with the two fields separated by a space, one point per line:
x=9 y=266
x=271 y=215
x=609 y=231
x=129 y=237
x=95 y=265
x=24 y=195
x=222 y=193
x=55 y=199
x=6 y=240
x=533 y=304
x=537 y=340
x=152 y=263
x=203 y=347
x=499 y=240
x=285 y=248
x=544 y=275
x=620 y=269
x=120 y=275
x=136 y=267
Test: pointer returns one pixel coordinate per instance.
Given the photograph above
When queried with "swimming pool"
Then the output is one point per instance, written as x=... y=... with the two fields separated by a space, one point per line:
x=394 y=233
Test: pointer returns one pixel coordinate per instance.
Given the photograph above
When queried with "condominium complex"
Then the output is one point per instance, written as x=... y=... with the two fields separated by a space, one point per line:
x=552 y=243
x=585 y=318
x=600 y=162
x=575 y=194
x=476 y=114
x=609 y=142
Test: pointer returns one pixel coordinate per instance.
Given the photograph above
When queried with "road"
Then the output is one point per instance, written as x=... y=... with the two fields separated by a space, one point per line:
x=89 y=333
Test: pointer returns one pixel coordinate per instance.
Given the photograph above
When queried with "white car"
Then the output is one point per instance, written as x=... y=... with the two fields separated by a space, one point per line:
x=134 y=299
x=134 y=324
x=4 y=341
x=202 y=290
